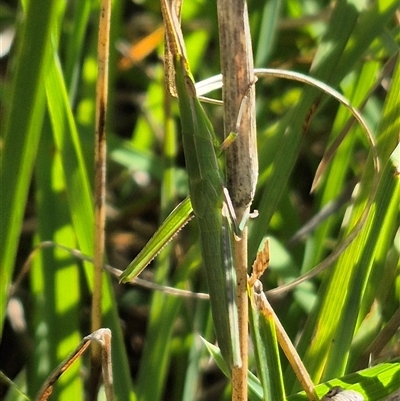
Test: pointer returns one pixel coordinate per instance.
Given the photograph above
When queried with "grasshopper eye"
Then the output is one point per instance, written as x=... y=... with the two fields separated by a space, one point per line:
x=337 y=393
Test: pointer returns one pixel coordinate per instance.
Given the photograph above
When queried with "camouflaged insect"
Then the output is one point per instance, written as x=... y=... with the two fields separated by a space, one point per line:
x=339 y=394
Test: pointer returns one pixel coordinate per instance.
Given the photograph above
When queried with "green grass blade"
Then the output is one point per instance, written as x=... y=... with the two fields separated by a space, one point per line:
x=378 y=304
x=335 y=178
x=67 y=140
x=374 y=383
x=75 y=46
x=22 y=131
x=163 y=311
x=344 y=288
x=55 y=305
x=288 y=135
x=268 y=31
x=16 y=391
x=196 y=353
x=266 y=351
x=157 y=349
x=157 y=352
x=172 y=224
x=381 y=226
x=81 y=209
x=371 y=24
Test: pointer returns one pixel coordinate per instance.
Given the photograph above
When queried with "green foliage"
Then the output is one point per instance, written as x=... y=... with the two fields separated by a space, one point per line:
x=47 y=173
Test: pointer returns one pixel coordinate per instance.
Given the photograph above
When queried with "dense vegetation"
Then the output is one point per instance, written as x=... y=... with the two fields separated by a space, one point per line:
x=337 y=320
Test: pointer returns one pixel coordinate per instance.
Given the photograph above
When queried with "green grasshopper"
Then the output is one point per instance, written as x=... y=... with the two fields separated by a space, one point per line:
x=208 y=197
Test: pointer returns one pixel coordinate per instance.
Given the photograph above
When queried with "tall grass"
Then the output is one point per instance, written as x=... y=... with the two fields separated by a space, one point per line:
x=47 y=137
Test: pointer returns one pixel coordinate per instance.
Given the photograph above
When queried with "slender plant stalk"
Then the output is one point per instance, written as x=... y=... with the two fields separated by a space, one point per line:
x=238 y=79
x=241 y=158
x=290 y=352
x=239 y=374
x=206 y=190
x=100 y=181
x=103 y=338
